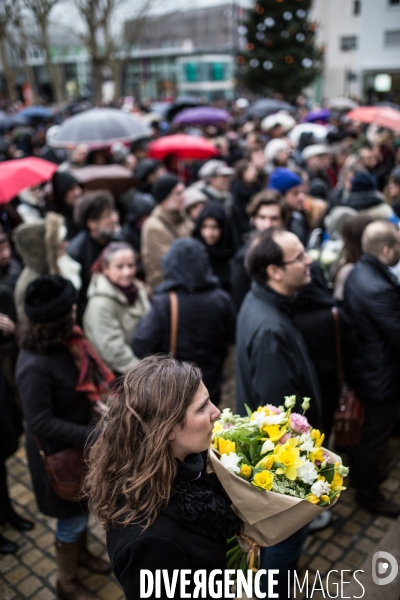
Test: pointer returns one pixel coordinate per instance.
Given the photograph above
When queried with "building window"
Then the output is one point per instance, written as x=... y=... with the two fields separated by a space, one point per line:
x=357 y=7
x=348 y=42
x=392 y=38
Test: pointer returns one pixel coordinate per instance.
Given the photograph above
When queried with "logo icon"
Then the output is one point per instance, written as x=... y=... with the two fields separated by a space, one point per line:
x=382 y=568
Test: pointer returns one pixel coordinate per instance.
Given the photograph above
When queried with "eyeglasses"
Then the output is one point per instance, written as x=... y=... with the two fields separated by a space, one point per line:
x=300 y=258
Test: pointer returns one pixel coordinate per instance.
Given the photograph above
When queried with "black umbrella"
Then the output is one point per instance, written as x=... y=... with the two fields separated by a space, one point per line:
x=179 y=104
x=268 y=106
x=99 y=127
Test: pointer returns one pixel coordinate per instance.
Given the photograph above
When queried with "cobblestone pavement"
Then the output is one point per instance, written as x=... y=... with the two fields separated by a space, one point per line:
x=31 y=572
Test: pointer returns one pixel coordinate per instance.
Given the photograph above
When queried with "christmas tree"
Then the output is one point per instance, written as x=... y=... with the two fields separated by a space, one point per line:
x=280 y=53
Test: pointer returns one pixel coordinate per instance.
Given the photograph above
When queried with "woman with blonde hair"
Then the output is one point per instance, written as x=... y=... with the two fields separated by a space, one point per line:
x=147 y=480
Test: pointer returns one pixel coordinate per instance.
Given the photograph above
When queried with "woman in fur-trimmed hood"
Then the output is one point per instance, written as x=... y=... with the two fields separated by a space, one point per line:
x=41 y=247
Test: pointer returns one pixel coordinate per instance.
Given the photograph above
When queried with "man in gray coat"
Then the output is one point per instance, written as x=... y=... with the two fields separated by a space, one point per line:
x=272 y=358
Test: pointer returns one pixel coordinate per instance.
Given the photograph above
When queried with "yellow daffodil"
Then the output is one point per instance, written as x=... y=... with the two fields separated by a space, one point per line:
x=245 y=471
x=226 y=446
x=316 y=454
x=217 y=427
x=325 y=498
x=265 y=463
x=275 y=432
x=318 y=437
x=263 y=480
x=288 y=456
x=313 y=499
x=337 y=483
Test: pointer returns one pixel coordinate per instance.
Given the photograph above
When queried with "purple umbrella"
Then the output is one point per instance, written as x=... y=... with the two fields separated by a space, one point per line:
x=320 y=114
x=202 y=115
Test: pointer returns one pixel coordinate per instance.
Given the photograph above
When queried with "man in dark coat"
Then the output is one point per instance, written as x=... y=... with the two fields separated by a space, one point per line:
x=372 y=301
x=272 y=358
x=290 y=185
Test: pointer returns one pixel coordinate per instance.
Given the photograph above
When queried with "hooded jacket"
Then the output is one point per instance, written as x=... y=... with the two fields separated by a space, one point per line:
x=109 y=321
x=37 y=244
x=221 y=253
x=206 y=316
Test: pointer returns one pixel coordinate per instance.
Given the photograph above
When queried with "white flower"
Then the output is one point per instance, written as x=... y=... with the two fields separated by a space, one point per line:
x=306 y=404
x=275 y=419
x=307 y=473
x=226 y=415
x=231 y=461
x=267 y=447
x=319 y=488
x=259 y=419
x=307 y=445
x=343 y=471
x=290 y=401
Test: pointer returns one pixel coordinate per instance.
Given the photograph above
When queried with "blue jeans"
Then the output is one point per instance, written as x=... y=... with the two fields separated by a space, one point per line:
x=284 y=557
x=70 y=530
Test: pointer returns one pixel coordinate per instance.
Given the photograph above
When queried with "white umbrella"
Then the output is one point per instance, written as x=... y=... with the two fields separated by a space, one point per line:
x=342 y=103
x=319 y=132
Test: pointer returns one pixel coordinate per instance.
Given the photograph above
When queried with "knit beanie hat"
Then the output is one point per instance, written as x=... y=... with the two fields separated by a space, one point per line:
x=282 y=179
x=63 y=181
x=363 y=182
x=163 y=186
x=48 y=298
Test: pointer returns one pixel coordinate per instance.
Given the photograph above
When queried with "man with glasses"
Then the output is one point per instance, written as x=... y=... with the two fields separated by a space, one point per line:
x=272 y=357
x=272 y=360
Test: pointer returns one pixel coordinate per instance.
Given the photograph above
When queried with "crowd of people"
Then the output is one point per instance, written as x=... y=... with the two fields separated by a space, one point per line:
x=253 y=248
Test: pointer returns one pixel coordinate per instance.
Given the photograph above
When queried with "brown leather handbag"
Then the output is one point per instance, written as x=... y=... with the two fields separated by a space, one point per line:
x=66 y=470
x=173 y=339
x=349 y=415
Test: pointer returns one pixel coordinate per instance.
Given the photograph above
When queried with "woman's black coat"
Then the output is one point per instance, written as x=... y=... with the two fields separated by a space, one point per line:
x=56 y=413
x=190 y=533
x=206 y=316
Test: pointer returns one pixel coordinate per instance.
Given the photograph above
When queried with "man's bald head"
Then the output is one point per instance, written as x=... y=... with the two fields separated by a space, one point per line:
x=381 y=239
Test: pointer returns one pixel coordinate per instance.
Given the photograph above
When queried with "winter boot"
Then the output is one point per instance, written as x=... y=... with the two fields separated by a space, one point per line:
x=88 y=560
x=68 y=586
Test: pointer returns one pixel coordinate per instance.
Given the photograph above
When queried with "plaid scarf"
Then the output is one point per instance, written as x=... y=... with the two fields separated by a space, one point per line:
x=95 y=377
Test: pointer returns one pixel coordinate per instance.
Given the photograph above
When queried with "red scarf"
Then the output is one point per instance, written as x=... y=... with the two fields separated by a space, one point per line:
x=95 y=377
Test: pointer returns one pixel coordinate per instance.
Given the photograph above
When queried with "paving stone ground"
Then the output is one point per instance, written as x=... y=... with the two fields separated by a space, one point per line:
x=31 y=572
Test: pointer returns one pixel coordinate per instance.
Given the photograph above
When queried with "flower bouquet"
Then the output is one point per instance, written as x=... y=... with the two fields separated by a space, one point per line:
x=274 y=469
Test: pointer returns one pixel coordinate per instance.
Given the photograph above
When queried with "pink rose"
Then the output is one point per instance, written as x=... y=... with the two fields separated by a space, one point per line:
x=327 y=458
x=299 y=423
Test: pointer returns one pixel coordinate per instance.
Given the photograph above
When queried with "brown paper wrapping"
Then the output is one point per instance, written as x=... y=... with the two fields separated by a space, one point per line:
x=267 y=517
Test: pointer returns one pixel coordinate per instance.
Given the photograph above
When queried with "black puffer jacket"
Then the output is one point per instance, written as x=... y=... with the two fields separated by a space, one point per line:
x=206 y=316
x=372 y=301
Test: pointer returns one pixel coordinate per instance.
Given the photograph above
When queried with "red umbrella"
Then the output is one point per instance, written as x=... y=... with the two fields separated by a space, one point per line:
x=183 y=147
x=383 y=116
x=16 y=175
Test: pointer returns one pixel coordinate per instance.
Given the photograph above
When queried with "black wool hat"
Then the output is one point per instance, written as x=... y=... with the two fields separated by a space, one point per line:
x=363 y=182
x=48 y=298
x=62 y=182
x=163 y=186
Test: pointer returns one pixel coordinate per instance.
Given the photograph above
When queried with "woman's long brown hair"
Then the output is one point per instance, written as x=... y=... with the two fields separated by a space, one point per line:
x=131 y=466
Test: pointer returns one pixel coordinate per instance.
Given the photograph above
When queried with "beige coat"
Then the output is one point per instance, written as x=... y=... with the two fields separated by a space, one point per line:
x=160 y=230
x=109 y=321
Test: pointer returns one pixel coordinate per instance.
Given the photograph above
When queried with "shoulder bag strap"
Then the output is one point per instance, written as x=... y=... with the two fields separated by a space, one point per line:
x=168 y=226
x=340 y=377
x=173 y=297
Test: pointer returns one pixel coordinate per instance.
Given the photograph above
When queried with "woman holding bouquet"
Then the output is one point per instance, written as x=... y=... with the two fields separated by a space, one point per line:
x=147 y=478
